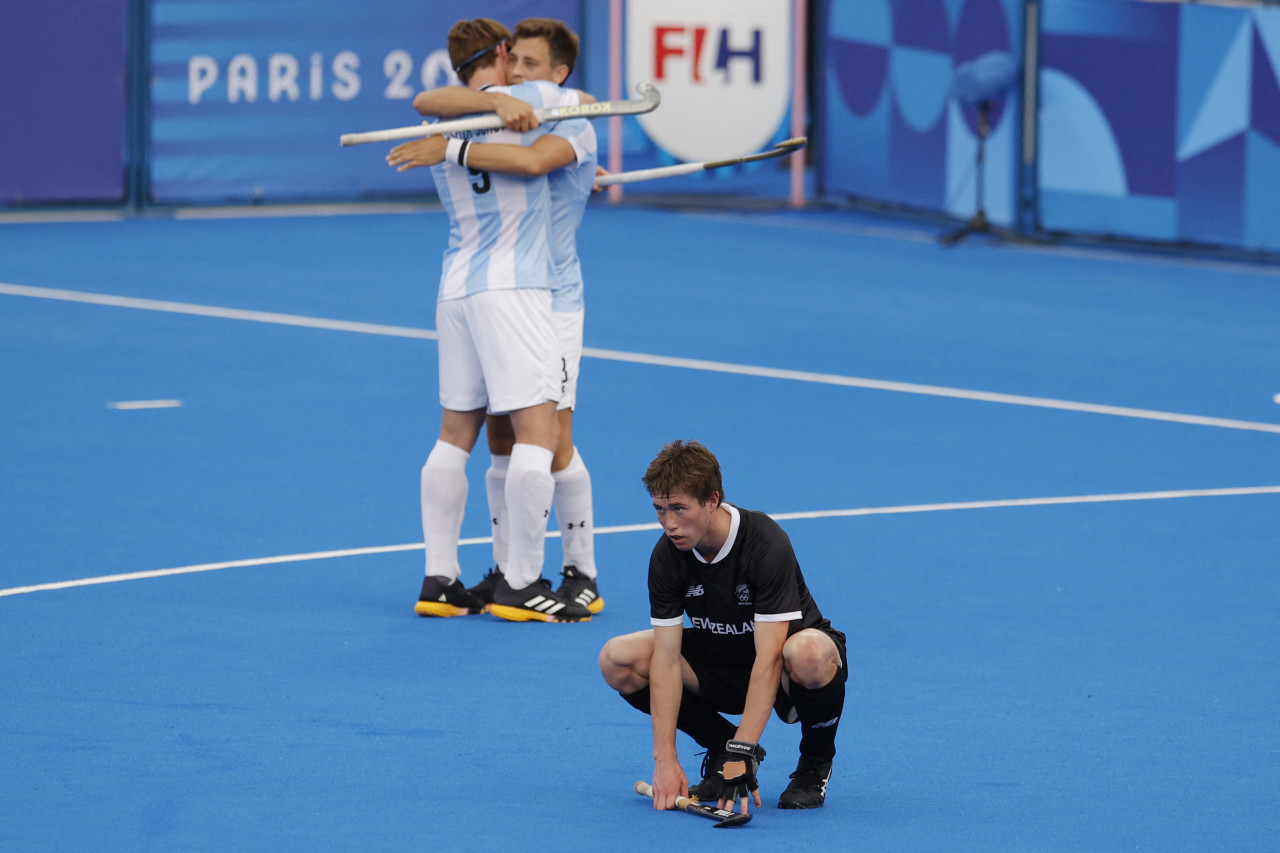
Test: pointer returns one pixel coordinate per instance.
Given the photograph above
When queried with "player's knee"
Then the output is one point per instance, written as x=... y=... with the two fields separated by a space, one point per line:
x=811 y=659
x=611 y=667
x=619 y=665
x=562 y=457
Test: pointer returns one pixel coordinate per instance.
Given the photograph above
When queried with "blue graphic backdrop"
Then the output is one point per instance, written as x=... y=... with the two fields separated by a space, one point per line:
x=891 y=129
x=1161 y=122
x=1228 y=143
x=1108 y=116
x=1155 y=121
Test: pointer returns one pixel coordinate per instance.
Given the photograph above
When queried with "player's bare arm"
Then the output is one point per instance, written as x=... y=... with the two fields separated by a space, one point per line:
x=454 y=101
x=766 y=675
x=543 y=157
x=665 y=690
x=419 y=152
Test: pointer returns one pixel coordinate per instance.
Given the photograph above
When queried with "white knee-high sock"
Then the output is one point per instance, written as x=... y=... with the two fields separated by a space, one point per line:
x=575 y=516
x=444 y=500
x=495 y=484
x=528 y=493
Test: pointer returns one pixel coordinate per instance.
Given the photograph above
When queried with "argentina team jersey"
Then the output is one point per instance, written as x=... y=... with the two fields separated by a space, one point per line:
x=498 y=224
x=570 y=189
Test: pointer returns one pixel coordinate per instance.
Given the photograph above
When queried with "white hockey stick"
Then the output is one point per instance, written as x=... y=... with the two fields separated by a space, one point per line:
x=647 y=102
x=782 y=148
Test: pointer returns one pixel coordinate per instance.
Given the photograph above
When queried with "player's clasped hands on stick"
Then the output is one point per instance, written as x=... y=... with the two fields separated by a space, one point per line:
x=737 y=772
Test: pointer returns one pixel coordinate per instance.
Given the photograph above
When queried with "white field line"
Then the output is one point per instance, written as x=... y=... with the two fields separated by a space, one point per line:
x=644 y=358
x=931 y=390
x=136 y=405
x=633 y=528
x=271 y=211
x=213 y=311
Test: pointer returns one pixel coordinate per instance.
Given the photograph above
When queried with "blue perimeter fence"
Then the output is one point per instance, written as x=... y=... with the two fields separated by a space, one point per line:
x=1151 y=122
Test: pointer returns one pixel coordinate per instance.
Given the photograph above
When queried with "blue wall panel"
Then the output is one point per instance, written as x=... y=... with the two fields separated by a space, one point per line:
x=890 y=128
x=1160 y=122
x=249 y=98
x=1155 y=121
x=63 y=100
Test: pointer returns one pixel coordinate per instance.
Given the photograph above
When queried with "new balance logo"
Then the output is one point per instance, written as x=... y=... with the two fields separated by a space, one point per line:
x=695 y=591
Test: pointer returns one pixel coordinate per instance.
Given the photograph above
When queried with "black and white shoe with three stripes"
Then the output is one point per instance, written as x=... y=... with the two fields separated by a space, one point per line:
x=575 y=586
x=537 y=602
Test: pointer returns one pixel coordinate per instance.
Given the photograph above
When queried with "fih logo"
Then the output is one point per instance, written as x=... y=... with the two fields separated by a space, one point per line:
x=724 y=70
x=689 y=44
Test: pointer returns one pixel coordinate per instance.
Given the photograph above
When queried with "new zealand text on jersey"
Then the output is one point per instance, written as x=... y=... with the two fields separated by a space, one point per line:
x=704 y=624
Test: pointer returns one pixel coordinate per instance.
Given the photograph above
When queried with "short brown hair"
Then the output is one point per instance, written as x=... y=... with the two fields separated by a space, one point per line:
x=684 y=467
x=561 y=41
x=472 y=45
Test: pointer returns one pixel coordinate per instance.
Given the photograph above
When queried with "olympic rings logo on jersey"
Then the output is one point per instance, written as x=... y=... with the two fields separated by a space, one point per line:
x=744 y=594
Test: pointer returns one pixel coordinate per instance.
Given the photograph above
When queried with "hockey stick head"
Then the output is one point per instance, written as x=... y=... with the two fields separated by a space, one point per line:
x=783 y=148
x=723 y=817
x=734 y=819
x=650 y=95
x=786 y=146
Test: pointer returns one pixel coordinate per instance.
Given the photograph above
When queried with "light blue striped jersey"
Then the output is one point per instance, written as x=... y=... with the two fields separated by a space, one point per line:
x=570 y=189
x=498 y=224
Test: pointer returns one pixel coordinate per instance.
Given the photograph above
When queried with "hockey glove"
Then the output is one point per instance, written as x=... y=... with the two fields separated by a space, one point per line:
x=738 y=772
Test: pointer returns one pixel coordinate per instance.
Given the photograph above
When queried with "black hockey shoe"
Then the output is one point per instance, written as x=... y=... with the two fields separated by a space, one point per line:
x=537 y=602
x=484 y=589
x=808 y=788
x=576 y=586
x=708 y=790
x=444 y=597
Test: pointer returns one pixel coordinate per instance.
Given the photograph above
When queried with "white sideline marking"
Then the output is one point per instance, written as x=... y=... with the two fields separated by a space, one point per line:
x=213 y=311
x=633 y=528
x=275 y=211
x=931 y=390
x=1015 y=502
x=644 y=358
x=134 y=405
